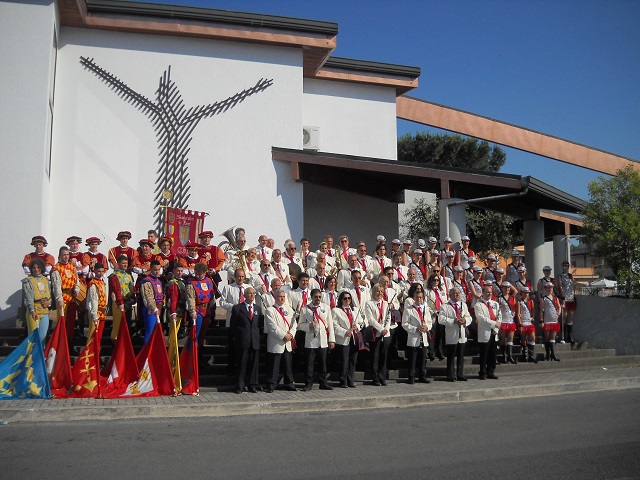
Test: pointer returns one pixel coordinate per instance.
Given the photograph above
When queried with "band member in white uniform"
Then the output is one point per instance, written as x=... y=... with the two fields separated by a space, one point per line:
x=330 y=293
x=507 y=304
x=365 y=264
x=380 y=261
x=281 y=330
x=462 y=256
x=416 y=320
x=550 y=312
x=378 y=316
x=317 y=323
x=344 y=275
x=347 y=333
x=566 y=292
x=280 y=267
x=435 y=299
x=262 y=282
x=264 y=252
x=455 y=317
x=512 y=267
x=488 y=317
x=524 y=317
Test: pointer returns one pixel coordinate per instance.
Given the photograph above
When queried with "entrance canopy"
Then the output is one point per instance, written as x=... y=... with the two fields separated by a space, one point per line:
x=387 y=179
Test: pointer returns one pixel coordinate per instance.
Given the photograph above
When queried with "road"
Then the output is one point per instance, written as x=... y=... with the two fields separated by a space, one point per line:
x=586 y=436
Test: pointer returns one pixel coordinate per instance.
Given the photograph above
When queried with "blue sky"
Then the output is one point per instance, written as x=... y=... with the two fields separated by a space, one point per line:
x=566 y=68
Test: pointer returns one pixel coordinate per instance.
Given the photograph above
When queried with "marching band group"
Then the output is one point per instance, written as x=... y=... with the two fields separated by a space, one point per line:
x=427 y=301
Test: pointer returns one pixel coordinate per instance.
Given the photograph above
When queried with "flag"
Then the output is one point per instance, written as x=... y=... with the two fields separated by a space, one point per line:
x=174 y=359
x=183 y=226
x=23 y=373
x=86 y=370
x=121 y=369
x=155 y=372
x=58 y=361
x=189 y=365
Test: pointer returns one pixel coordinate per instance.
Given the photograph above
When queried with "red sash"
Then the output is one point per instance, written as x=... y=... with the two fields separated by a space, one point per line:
x=317 y=316
x=492 y=314
x=280 y=310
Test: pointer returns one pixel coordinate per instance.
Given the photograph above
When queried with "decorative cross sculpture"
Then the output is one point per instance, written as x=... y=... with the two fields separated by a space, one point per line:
x=174 y=125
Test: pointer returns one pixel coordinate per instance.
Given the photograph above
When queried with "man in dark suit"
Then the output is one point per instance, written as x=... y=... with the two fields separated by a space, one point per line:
x=246 y=323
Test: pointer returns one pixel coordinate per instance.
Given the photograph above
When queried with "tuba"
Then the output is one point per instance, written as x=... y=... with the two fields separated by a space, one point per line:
x=228 y=234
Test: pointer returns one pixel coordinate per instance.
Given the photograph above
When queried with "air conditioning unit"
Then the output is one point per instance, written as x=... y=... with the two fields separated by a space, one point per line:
x=311 y=138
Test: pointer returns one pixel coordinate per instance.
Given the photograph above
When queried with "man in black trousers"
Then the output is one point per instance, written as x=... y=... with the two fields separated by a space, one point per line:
x=246 y=324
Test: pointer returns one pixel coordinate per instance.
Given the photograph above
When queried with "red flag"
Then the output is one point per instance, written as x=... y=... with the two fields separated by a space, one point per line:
x=121 y=369
x=86 y=370
x=183 y=226
x=58 y=360
x=189 y=365
x=155 y=377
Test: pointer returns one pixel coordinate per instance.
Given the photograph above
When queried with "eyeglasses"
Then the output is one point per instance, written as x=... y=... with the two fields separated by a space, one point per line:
x=347 y=298
x=316 y=297
x=344 y=241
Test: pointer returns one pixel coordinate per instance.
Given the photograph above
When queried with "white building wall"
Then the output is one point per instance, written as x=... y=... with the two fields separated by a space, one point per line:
x=353 y=120
x=105 y=151
x=28 y=58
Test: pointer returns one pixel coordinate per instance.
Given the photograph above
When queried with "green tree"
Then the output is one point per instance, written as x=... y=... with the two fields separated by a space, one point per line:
x=489 y=231
x=450 y=151
x=612 y=224
x=421 y=220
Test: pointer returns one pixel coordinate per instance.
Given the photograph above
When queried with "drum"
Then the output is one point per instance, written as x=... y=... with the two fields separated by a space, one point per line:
x=81 y=297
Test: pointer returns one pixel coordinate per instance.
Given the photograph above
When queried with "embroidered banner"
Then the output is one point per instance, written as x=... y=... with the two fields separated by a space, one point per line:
x=183 y=226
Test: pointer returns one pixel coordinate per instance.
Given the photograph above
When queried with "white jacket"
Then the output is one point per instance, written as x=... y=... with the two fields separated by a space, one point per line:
x=276 y=328
x=454 y=332
x=411 y=321
x=322 y=334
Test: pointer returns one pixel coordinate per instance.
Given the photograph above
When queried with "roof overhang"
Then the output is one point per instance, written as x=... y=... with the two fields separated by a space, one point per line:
x=317 y=39
x=388 y=179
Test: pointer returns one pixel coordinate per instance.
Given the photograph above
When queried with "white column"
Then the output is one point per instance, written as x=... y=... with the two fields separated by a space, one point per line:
x=453 y=223
x=560 y=252
x=534 y=249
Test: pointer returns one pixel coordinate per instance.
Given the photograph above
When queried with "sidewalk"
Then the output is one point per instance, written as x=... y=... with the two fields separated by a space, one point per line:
x=212 y=403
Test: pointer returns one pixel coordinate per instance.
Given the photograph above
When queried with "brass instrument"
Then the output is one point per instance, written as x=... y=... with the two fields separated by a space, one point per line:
x=242 y=259
x=228 y=234
x=303 y=257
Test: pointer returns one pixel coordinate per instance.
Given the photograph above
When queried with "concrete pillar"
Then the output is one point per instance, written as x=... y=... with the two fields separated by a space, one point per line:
x=534 y=249
x=456 y=226
x=560 y=252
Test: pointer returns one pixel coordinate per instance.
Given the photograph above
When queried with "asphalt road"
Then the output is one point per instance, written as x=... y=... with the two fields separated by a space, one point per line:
x=585 y=436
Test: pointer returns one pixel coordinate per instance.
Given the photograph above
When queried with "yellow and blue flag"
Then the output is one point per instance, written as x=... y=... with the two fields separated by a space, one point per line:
x=23 y=373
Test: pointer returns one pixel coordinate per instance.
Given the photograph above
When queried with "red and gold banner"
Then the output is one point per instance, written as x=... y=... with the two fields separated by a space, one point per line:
x=183 y=226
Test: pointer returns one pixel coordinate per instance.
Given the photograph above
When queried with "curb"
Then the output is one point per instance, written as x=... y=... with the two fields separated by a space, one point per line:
x=264 y=405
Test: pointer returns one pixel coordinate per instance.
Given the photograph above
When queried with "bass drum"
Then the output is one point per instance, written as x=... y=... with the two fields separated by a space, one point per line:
x=81 y=297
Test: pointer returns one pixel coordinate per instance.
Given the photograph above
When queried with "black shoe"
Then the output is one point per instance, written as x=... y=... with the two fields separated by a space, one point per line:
x=307 y=388
x=383 y=383
x=412 y=381
x=424 y=380
x=342 y=385
x=253 y=389
x=352 y=385
x=290 y=388
x=268 y=390
x=482 y=376
x=375 y=383
x=492 y=376
x=239 y=390
x=451 y=379
x=431 y=356
x=324 y=386
x=461 y=378
x=440 y=357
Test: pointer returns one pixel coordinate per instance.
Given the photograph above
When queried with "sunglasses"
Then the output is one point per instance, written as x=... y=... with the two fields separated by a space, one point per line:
x=316 y=297
x=347 y=298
